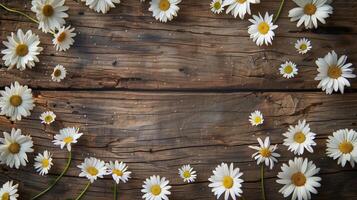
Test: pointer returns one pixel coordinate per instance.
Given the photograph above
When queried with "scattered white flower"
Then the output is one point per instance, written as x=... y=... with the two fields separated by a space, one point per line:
x=343 y=146
x=164 y=10
x=187 y=173
x=226 y=180
x=8 y=191
x=156 y=188
x=288 y=69
x=333 y=73
x=14 y=148
x=303 y=45
x=299 y=179
x=265 y=153
x=101 y=5
x=66 y=137
x=239 y=7
x=262 y=29
x=21 y=50
x=63 y=39
x=43 y=162
x=299 y=137
x=47 y=117
x=119 y=171
x=59 y=73
x=256 y=118
x=217 y=6
x=310 y=12
x=92 y=168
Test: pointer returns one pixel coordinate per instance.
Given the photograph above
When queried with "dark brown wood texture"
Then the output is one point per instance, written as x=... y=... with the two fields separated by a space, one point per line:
x=158 y=96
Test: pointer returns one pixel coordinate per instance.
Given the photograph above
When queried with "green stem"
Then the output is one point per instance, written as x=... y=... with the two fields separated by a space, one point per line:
x=242 y=197
x=83 y=192
x=115 y=191
x=57 y=179
x=262 y=180
x=19 y=12
x=279 y=11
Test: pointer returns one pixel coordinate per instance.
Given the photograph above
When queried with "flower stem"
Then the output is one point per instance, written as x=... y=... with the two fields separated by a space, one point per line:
x=262 y=181
x=115 y=191
x=19 y=12
x=57 y=179
x=279 y=11
x=83 y=192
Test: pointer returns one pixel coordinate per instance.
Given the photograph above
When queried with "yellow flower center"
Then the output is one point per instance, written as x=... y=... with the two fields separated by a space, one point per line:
x=298 y=179
x=68 y=140
x=241 y=1
x=164 y=5
x=15 y=100
x=310 y=9
x=45 y=163
x=61 y=37
x=92 y=171
x=345 y=147
x=334 y=72
x=5 y=196
x=186 y=174
x=22 y=50
x=155 y=190
x=258 y=120
x=299 y=137
x=48 y=119
x=265 y=152
x=14 y=148
x=57 y=73
x=228 y=182
x=263 y=28
x=303 y=46
x=288 y=69
x=117 y=172
x=217 y=5
x=47 y=10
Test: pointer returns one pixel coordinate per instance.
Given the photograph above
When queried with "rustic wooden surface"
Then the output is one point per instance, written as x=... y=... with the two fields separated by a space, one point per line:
x=158 y=96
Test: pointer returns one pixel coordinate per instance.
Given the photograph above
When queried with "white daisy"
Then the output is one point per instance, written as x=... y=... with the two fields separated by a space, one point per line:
x=262 y=29
x=66 y=137
x=303 y=45
x=21 y=50
x=310 y=12
x=92 y=169
x=187 y=173
x=8 y=191
x=47 y=117
x=240 y=7
x=343 y=145
x=217 y=6
x=63 y=39
x=119 y=171
x=50 y=14
x=333 y=73
x=164 y=10
x=299 y=137
x=59 y=73
x=226 y=180
x=298 y=179
x=156 y=188
x=265 y=153
x=14 y=148
x=101 y=5
x=256 y=118
x=43 y=162
x=288 y=69
x=16 y=102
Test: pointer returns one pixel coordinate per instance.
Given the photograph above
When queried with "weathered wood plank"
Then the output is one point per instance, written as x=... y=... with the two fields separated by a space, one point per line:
x=127 y=48
x=155 y=133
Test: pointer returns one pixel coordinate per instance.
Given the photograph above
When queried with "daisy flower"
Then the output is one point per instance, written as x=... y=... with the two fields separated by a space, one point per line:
x=217 y=6
x=164 y=10
x=303 y=45
x=343 y=145
x=43 y=162
x=226 y=180
x=14 y=148
x=239 y=7
x=187 y=173
x=256 y=118
x=101 y=5
x=21 y=50
x=16 y=102
x=8 y=191
x=92 y=169
x=66 y=137
x=299 y=137
x=63 y=39
x=156 y=188
x=59 y=73
x=288 y=69
x=47 y=117
x=333 y=73
x=262 y=29
x=118 y=171
x=310 y=12
x=298 y=179
x=50 y=14
x=265 y=153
